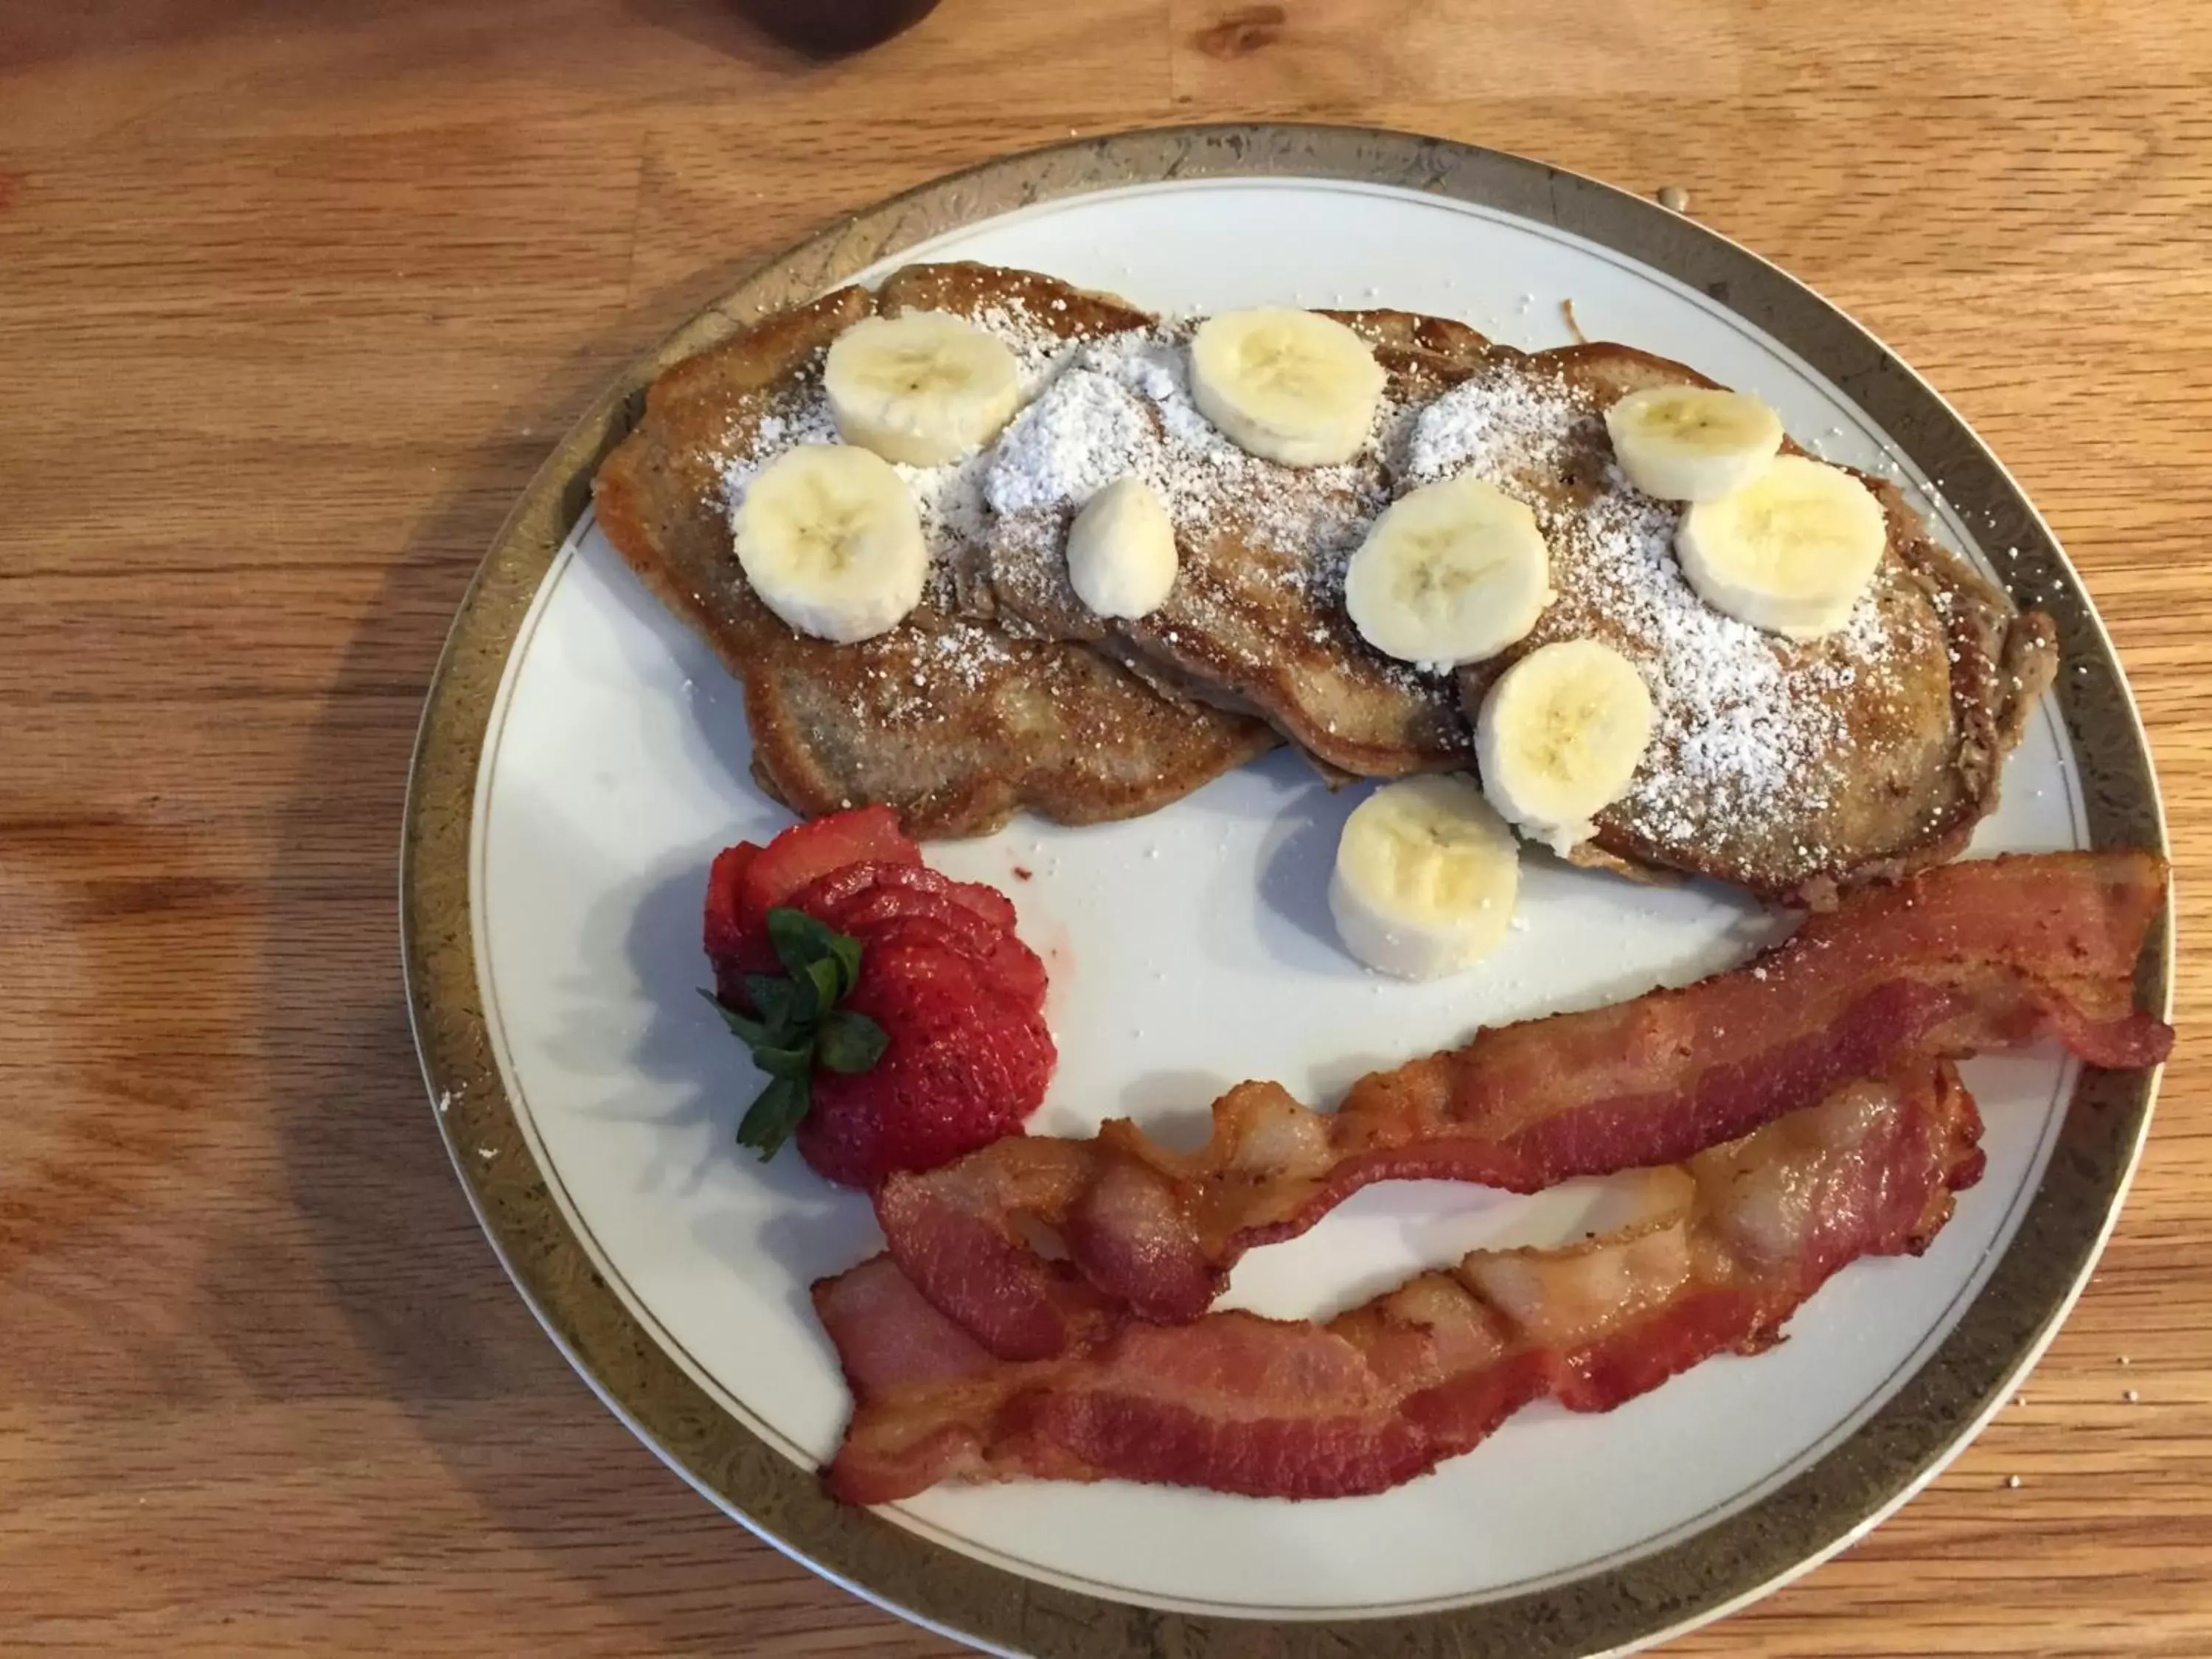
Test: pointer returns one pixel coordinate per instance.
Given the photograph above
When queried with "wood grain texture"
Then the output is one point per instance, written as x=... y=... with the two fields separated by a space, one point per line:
x=294 y=298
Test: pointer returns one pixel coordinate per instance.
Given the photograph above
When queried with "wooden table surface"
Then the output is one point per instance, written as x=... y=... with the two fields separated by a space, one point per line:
x=295 y=297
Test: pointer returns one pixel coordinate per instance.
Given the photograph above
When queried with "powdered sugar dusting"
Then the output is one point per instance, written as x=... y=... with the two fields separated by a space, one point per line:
x=1123 y=407
x=1750 y=729
x=1493 y=426
x=802 y=419
x=949 y=498
x=1085 y=432
x=905 y=678
x=1038 y=351
x=909 y=678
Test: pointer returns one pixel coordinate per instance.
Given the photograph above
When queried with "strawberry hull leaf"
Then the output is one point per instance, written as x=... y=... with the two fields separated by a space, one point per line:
x=796 y=938
x=746 y=1030
x=845 y=956
x=806 y=945
x=818 y=984
x=773 y=1115
x=793 y=1065
x=850 y=1042
x=778 y=1000
x=796 y=1025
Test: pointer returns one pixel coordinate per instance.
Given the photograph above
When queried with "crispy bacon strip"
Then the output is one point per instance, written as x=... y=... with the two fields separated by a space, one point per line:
x=1731 y=1244
x=1967 y=957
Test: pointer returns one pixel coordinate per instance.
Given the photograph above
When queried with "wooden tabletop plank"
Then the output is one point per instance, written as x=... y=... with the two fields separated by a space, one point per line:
x=293 y=301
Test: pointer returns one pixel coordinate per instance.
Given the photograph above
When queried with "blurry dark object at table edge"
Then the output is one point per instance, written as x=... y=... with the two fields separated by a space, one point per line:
x=827 y=28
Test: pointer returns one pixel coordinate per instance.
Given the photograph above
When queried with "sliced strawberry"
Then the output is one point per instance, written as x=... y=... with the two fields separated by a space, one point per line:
x=1007 y=968
x=1020 y=970
x=725 y=883
x=880 y=904
x=988 y=903
x=897 y=931
x=962 y=1066
x=855 y=899
x=820 y=898
x=805 y=852
x=957 y=995
x=747 y=881
x=859 y=898
x=826 y=895
x=1013 y=968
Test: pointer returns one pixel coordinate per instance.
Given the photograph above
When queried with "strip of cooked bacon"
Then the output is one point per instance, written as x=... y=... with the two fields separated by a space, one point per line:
x=1728 y=1247
x=1960 y=959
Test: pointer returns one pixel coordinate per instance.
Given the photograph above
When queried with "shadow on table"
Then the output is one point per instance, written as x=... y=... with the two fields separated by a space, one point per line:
x=436 y=1330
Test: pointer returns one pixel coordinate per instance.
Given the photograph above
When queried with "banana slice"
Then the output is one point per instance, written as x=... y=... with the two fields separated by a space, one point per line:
x=830 y=539
x=924 y=387
x=1454 y=572
x=1425 y=878
x=1287 y=386
x=1692 y=443
x=1559 y=736
x=1122 y=550
x=1791 y=552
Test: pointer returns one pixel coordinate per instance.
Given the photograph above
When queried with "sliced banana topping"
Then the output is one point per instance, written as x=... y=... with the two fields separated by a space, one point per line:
x=924 y=387
x=1122 y=550
x=1692 y=443
x=1791 y=552
x=1425 y=878
x=1293 y=386
x=830 y=538
x=1559 y=736
x=1453 y=572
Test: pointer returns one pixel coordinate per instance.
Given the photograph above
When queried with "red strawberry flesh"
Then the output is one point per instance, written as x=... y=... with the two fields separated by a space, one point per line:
x=988 y=903
x=726 y=932
x=862 y=899
x=958 y=995
x=805 y=852
x=964 y=1067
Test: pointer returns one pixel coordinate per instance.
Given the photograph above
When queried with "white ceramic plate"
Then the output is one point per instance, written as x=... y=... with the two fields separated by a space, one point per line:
x=1188 y=951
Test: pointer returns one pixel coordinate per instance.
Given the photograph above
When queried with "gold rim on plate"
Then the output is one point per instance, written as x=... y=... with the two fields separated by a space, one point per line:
x=1759 y=1545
